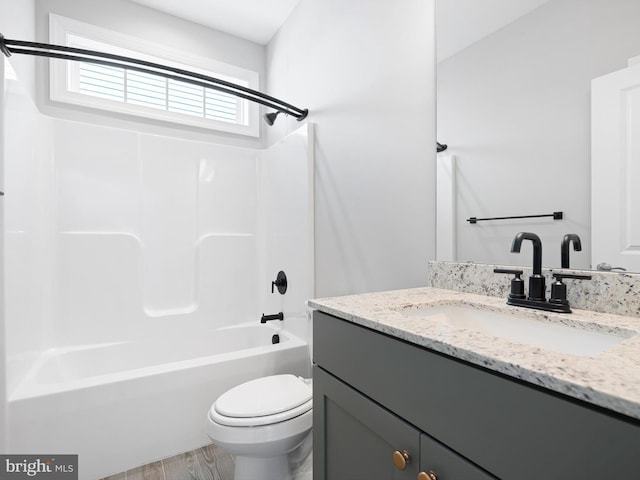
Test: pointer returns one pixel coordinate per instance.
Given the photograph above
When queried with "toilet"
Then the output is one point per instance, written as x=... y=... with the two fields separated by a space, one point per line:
x=260 y=422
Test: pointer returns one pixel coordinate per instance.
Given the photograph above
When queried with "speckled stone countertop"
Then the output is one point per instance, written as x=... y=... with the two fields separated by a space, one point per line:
x=606 y=292
x=609 y=379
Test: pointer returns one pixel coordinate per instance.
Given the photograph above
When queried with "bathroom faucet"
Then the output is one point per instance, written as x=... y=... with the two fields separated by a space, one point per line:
x=536 y=280
x=536 y=299
x=564 y=248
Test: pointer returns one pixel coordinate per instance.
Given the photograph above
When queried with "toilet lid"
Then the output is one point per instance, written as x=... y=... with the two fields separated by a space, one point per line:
x=264 y=396
x=298 y=411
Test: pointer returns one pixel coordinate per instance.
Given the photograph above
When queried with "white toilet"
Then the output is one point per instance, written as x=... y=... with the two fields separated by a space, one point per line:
x=260 y=422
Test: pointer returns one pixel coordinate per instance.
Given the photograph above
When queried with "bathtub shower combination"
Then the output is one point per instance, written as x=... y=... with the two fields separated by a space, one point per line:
x=137 y=269
x=125 y=404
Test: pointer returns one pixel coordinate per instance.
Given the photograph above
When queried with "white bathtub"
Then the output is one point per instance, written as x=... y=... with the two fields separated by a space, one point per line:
x=121 y=405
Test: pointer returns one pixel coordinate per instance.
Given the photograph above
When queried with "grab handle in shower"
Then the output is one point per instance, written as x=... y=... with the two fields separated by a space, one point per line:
x=276 y=316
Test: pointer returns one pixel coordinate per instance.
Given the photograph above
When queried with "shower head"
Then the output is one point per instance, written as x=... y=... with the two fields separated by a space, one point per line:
x=270 y=118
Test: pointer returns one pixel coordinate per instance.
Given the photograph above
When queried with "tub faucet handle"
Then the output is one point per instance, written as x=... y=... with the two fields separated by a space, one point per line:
x=280 y=282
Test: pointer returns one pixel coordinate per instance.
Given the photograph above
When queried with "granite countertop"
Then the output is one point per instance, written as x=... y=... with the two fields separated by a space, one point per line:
x=609 y=379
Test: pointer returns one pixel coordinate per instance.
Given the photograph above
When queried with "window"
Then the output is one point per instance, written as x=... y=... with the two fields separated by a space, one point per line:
x=143 y=94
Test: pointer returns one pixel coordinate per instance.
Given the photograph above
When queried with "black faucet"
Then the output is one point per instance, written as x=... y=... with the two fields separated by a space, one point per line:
x=564 y=248
x=536 y=280
x=268 y=318
x=537 y=289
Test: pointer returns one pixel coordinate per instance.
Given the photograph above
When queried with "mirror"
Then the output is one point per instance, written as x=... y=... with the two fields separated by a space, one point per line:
x=514 y=108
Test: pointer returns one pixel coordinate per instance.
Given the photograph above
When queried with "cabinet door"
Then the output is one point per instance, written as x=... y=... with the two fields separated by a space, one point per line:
x=446 y=464
x=354 y=438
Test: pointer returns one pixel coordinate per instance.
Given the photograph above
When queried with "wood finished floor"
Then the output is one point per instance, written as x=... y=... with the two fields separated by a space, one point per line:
x=206 y=463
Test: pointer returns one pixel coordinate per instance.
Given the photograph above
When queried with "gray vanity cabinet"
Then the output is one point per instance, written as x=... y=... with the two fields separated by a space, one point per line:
x=363 y=441
x=376 y=397
x=359 y=436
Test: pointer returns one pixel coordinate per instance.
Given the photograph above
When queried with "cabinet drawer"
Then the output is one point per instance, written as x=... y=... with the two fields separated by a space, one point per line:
x=507 y=427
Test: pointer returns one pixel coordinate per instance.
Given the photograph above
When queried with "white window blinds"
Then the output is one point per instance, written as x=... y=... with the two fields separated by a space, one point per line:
x=146 y=95
x=153 y=91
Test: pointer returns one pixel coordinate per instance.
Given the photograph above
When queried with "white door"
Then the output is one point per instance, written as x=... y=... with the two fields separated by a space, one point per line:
x=615 y=169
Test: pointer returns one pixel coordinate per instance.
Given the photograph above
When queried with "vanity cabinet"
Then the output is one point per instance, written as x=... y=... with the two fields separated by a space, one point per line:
x=379 y=400
x=363 y=440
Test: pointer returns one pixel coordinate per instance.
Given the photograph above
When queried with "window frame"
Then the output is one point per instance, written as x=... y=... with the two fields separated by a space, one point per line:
x=69 y=32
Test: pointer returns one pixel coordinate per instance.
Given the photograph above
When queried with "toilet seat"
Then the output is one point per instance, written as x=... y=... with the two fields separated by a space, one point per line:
x=263 y=401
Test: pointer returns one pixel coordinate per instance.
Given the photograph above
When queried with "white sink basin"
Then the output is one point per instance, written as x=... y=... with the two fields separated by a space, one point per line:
x=560 y=338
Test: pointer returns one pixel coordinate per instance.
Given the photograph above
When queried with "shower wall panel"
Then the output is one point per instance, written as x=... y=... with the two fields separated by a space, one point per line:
x=28 y=253
x=138 y=218
x=286 y=226
x=114 y=235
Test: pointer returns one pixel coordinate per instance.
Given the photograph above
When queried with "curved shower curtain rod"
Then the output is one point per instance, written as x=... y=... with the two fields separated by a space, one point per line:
x=8 y=47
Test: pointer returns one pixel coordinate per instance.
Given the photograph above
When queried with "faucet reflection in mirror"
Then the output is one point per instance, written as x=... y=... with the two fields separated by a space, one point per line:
x=570 y=238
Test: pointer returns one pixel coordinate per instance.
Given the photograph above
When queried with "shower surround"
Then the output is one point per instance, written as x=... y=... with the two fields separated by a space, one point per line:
x=122 y=246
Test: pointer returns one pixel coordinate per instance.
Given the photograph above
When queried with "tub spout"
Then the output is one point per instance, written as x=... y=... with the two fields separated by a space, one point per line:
x=277 y=316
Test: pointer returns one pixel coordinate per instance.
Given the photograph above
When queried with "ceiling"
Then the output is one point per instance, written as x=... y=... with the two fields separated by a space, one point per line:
x=463 y=22
x=255 y=20
x=460 y=22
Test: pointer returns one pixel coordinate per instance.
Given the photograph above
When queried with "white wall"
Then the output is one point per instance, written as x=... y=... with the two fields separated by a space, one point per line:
x=151 y=25
x=114 y=234
x=17 y=22
x=365 y=70
x=514 y=109
x=29 y=246
x=285 y=227
x=3 y=330
x=152 y=231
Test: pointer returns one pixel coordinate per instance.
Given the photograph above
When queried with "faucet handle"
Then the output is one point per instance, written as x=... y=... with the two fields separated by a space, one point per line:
x=576 y=276
x=280 y=282
x=511 y=271
x=517 y=284
x=559 y=289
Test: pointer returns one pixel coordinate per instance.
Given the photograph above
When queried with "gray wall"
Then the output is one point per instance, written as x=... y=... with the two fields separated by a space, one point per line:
x=365 y=69
x=515 y=110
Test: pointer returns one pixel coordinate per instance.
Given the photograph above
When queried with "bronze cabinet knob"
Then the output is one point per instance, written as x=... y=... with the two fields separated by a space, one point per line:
x=401 y=459
x=430 y=475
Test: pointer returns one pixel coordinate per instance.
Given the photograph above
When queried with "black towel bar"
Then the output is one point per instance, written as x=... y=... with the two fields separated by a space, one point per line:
x=555 y=215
